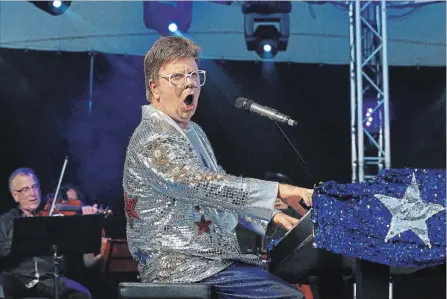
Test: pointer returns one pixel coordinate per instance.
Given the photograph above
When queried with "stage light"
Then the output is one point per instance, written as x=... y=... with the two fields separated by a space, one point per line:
x=162 y=15
x=173 y=27
x=373 y=114
x=57 y=4
x=371 y=119
x=267 y=26
x=267 y=37
x=54 y=8
x=267 y=48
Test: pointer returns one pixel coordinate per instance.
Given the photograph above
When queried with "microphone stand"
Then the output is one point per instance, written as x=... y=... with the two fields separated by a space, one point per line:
x=306 y=168
x=56 y=260
x=56 y=257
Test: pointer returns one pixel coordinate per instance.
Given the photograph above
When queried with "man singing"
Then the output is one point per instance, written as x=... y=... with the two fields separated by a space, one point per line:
x=181 y=207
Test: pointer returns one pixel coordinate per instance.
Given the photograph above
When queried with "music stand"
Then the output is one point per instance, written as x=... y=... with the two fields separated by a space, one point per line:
x=43 y=236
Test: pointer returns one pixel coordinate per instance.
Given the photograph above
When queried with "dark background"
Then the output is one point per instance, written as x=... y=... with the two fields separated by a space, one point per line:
x=44 y=117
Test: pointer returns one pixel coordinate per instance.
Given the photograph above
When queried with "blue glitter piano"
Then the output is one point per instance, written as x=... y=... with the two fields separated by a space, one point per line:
x=365 y=232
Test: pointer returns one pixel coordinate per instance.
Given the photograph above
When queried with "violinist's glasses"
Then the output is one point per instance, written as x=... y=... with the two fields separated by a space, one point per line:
x=34 y=187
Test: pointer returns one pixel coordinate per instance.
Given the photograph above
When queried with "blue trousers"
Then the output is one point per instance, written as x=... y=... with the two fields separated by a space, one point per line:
x=251 y=282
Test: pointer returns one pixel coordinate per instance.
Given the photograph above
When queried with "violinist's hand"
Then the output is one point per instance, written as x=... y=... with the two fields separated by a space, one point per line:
x=284 y=221
x=279 y=205
x=90 y=210
x=104 y=243
x=291 y=196
x=90 y=259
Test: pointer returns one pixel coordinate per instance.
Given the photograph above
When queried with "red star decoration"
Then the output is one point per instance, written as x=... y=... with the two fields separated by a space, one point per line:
x=203 y=225
x=130 y=206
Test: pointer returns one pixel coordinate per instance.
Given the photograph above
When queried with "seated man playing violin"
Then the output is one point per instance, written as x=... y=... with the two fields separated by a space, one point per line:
x=30 y=276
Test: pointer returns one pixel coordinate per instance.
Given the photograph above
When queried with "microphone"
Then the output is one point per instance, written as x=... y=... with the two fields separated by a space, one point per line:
x=252 y=107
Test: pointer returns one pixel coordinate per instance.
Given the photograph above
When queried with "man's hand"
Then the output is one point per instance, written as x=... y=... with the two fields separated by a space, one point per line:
x=279 y=205
x=284 y=221
x=291 y=196
x=90 y=259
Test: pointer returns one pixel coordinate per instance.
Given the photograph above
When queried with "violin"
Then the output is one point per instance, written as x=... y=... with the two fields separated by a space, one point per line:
x=70 y=207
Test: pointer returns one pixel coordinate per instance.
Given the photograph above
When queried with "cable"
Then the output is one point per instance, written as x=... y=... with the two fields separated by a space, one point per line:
x=310 y=6
x=404 y=15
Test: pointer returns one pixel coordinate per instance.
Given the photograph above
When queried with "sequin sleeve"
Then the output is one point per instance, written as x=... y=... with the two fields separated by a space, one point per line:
x=169 y=158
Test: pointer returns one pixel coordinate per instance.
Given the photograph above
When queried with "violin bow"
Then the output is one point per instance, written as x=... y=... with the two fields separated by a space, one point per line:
x=53 y=204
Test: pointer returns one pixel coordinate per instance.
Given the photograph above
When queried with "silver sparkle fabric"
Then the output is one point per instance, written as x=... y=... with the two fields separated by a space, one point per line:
x=409 y=212
x=181 y=214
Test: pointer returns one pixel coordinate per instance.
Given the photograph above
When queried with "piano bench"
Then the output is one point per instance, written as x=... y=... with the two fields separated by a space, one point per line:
x=138 y=290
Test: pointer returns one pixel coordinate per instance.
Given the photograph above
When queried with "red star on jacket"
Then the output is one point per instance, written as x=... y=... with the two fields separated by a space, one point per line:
x=203 y=225
x=130 y=206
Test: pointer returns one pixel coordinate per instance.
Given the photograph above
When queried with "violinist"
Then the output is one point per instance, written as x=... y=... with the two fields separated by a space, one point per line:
x=70 y=198
x=71 y=202
x=85 y=268
x=29 y=277
x=72 y=194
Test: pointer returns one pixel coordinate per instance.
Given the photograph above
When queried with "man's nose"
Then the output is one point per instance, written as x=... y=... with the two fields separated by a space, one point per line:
x=189 y=82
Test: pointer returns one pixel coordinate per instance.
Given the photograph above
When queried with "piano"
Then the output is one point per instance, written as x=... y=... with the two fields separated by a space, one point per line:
x=297 y=261
x=295 y=258
x=331 y=276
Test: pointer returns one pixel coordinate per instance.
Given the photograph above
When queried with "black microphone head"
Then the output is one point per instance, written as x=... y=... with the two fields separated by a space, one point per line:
x=243 y=103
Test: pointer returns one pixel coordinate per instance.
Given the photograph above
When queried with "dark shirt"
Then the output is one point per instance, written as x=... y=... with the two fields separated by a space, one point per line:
x=24 y=268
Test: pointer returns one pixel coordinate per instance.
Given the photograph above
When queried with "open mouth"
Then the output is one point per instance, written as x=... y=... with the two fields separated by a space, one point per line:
x=189 y=99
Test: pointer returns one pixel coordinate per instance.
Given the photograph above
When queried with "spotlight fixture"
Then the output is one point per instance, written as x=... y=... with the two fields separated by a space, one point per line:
x=168 y=17
x=173 y=27
x=266 y=26
x=54 y=8
x=57 y=4
x=267 y=48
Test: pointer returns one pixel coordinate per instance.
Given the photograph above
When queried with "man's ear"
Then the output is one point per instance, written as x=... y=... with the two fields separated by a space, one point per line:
x=153 y=86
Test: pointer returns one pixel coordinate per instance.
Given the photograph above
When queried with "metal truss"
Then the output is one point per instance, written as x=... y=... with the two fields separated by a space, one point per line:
x=370 y=116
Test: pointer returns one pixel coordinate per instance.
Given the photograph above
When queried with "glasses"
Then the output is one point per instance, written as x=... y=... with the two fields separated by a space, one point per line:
x=34 y=187
x=179 y=79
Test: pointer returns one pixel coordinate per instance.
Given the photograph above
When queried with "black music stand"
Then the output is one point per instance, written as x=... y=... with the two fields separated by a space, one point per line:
x=44 y=236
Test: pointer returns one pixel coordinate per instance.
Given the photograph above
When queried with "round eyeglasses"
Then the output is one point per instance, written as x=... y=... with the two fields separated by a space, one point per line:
x=179 y=79
x=34 y=187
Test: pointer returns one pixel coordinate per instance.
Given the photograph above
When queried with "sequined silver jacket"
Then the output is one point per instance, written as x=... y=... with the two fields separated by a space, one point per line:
x=180 y=214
